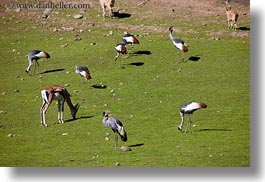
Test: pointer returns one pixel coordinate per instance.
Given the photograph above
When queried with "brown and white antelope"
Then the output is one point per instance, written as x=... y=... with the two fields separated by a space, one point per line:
x=107 y=4
x=232 y=17
x=60 y=94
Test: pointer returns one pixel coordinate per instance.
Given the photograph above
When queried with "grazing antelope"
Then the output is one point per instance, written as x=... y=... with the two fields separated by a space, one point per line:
x=232 y=17
x=188 y=108
x=107 y=4
x=35 y=55
x=60 y=94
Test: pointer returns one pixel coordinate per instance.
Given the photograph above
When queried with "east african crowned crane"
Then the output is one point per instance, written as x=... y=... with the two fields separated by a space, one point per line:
x=178 y=43
x=83 y=72
x=35 y=55
x=116 y=126
x=121 y=49
x=129 y=39
x=188 y=108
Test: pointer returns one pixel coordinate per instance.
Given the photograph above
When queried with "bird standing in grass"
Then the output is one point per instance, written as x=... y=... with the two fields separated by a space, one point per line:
x=35 y=55
x=116 y=126
x=83 y=72
x=121 y=49
x=129 y=39
x=189 y=108
x=178 y=43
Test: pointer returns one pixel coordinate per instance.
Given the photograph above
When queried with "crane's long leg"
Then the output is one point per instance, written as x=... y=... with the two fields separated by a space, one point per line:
x=36 y=62
x=116 y=139
x=189 y=124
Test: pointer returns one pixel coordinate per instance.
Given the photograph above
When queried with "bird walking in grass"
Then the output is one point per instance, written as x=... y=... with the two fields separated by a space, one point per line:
x=116 y=126
x=83 y=72
x=178 y=43
x=35 y=55
x=121 y=49
x=187 y=109
x=129 y=39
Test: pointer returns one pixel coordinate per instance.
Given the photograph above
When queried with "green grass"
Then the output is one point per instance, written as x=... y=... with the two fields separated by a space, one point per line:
x=146 y=98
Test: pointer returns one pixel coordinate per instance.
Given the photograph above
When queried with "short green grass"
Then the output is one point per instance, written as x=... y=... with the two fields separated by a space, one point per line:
x=146 y=98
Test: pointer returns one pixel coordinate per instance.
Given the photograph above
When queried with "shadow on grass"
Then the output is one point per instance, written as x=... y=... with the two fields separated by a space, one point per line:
x=141 y=53
x=121 y=15
x=82 y=117
x=51 y=71
x=137 y=64
x=244 y=28
x=194 y=58
x=213 y=129
x=99 y=86
x=136 y=145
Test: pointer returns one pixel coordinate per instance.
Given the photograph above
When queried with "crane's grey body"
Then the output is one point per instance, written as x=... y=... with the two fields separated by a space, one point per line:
x=178 y=43
x=117 y=127
x=35 y=55
x=187 y=109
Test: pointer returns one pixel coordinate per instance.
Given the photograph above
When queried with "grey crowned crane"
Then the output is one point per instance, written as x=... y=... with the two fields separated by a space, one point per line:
x=116 y=126
x=187 y=109
x=83 y=72
x=178 y=43
x=121 y=49
x=35 y=55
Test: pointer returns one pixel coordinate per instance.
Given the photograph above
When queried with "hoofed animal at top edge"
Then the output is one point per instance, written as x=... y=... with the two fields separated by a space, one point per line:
x=187 y=109
x=116 y=125
x=107 y=4
x=35 y=55
x=232 y=18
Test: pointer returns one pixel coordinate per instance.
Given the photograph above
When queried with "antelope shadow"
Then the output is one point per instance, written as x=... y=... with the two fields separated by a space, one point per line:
x=243 y=28
x=121 y=15
x=82 y=117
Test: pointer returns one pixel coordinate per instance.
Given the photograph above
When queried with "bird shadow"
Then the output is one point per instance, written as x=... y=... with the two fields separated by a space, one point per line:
x=194 y=58
x=117 y=14
x=213 y=129
x=137 y=64
x=141 y=53
x=136 y=145
x=99 y=86
x=244 y=28
x=51 y=71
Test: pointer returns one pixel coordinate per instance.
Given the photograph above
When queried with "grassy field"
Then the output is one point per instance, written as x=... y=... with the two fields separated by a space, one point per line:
x=145 y=96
